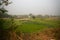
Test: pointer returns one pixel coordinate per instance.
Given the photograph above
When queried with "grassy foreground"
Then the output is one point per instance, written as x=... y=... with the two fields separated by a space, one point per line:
x=32 y=29
x=35 y=25
x=32 y=25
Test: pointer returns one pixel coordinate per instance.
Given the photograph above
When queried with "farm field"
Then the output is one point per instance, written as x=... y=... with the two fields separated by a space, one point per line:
x=32 y=29
x=35 y=25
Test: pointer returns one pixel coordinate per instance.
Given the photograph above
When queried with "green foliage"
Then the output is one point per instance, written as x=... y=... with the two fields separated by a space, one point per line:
x=8 y=24
x=36 y=25
x=3 y=11
x=28 y=26
x=1 y=24
x=13 y=25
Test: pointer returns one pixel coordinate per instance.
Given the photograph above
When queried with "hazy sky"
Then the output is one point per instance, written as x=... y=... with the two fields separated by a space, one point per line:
x=51 y=7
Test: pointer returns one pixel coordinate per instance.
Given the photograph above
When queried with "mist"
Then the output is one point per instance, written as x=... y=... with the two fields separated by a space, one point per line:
x=36 y=7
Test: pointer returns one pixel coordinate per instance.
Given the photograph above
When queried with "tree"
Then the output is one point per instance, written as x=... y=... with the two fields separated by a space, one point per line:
x=3 y=11
x=31 y=16
x=7 y=27
x=3 y=33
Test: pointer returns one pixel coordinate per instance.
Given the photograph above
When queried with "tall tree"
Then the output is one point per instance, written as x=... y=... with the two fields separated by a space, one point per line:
x=7 y=33
x=3 y=11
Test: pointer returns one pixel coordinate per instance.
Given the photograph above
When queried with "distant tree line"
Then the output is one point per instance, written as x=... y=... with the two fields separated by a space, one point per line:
x=34 y=16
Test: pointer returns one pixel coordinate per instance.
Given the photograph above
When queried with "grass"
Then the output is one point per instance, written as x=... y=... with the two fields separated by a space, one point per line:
x=32 y=25
x=37 y=25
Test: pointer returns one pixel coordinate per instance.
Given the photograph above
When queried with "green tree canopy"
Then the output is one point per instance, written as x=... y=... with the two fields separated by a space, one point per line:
x=3 y=11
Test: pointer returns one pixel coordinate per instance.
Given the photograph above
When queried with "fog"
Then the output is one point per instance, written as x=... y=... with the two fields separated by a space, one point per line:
x=36 y=7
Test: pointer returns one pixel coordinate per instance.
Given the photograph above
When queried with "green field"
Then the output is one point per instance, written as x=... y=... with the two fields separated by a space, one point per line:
x=32 y=25
x=35 y=25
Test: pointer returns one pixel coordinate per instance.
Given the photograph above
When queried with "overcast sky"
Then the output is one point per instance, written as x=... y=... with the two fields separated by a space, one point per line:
x=21 y=7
